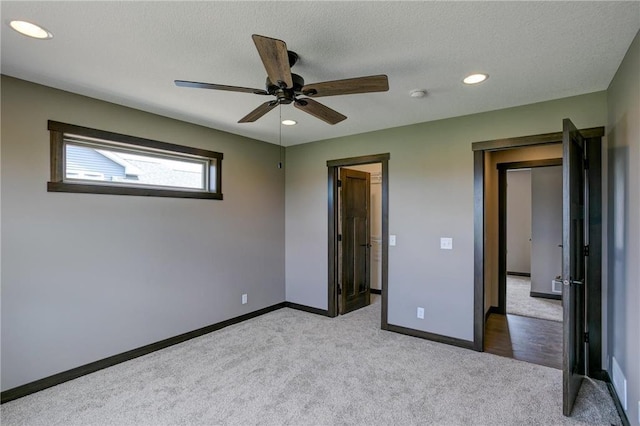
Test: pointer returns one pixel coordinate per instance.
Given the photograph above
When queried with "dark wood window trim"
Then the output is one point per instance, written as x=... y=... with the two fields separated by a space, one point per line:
x=57 y=184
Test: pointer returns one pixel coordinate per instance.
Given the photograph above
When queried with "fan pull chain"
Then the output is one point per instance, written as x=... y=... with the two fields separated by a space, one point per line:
x=280 y=140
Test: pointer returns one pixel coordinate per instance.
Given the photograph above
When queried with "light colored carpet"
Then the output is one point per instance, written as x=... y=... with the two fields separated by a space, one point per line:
x=295 y=368
x=520 y=303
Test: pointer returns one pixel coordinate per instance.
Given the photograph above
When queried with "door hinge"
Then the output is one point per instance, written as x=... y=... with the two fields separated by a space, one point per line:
x=339 y=237
x=585 y=251
x=339 y=183
x=586 y=337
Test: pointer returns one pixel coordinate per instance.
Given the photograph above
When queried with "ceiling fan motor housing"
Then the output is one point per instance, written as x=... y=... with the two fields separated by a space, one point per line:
x=293 y=57
x=287 y=95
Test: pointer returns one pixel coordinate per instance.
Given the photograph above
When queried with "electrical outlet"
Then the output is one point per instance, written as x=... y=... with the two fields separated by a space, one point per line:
x=244 y=299
x=420 y=313
x=392 y=240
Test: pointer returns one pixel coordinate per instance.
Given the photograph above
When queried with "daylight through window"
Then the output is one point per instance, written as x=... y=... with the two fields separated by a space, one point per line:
x=93 y=161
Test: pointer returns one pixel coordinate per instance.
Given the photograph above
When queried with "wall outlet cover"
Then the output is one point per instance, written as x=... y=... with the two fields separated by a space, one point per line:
x=392 y=240
x=420 y=313
x=244 y=299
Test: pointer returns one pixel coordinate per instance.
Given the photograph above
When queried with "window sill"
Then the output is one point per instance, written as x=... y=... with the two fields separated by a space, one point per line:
x=121 y=190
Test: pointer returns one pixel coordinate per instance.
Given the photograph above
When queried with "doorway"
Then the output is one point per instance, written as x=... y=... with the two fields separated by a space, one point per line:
x=354 y=237
x=373 y=249
x=530 y=238
x=526 y=324
x=582 y=241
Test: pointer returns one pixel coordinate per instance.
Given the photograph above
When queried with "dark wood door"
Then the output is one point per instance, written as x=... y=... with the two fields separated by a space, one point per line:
x=575 y=239
x=355 y=208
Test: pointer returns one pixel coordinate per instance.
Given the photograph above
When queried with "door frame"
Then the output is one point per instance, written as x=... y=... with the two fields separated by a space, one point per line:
x=332 y=189
x=593 y=137
x=502 y=220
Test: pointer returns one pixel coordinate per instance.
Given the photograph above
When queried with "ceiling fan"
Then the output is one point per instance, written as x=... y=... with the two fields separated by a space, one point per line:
x=288 y=87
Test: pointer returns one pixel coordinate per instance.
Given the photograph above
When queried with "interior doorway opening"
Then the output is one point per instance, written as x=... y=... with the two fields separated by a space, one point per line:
x=526 y=323
x=359 y=236
x=530 y=238
x=581 y=246
x=358 y=233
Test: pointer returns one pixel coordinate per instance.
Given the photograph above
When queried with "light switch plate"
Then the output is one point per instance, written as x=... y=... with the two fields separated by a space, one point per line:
x=420 y=313
x=392 y=240
x=446 y=243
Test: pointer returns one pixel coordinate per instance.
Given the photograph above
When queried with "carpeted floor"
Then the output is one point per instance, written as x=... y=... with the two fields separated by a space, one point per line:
x=292 y=367
x=520 y=303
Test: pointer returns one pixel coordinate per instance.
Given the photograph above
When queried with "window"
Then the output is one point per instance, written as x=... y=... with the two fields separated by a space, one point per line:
x=98 y=162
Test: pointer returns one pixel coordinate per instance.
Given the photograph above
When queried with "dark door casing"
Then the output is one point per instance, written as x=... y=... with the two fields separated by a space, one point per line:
x=575 y=359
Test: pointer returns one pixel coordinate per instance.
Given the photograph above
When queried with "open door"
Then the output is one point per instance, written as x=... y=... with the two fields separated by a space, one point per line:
x=355 y=204
x=574 y=249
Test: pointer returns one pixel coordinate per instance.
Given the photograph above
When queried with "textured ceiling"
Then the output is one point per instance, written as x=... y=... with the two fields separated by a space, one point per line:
x=130 y=52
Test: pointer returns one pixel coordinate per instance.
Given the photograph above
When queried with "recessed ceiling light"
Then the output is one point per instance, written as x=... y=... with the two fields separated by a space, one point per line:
x=289 y=122
x=30 y=30
x=475 y=78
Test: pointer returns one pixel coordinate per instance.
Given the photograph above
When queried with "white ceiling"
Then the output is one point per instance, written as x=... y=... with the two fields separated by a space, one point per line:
x=129 y=53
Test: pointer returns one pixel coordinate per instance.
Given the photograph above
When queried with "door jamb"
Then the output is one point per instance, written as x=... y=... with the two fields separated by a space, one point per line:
x=332 y=189
x=593 y=137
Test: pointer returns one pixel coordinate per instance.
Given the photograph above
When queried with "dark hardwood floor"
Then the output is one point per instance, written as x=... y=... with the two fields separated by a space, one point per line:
x=527 y=339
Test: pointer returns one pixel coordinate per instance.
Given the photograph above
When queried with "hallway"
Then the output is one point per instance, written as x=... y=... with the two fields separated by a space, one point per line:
x=528 y=339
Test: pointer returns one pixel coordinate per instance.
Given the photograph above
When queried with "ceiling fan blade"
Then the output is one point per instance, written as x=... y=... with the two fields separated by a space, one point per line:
x=320 y=111
x=198 y=85
x=258 y=112
x=275 y=58
x=349 y=86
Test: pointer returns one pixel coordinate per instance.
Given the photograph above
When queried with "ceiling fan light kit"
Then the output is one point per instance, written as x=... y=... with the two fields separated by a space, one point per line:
x=288 y=87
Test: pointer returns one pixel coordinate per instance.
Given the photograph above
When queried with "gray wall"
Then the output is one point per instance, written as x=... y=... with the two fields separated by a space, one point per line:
x=519 y=221
x=431 y=196
x=88 y=276
x=623 y=224
x=546 y=227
